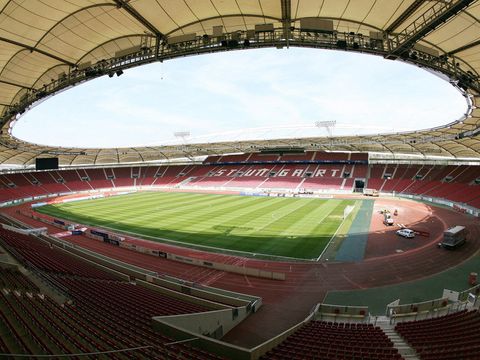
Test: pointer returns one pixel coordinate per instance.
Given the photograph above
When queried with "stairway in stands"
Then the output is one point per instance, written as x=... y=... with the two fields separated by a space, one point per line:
x=185 y=182
x=403 y=348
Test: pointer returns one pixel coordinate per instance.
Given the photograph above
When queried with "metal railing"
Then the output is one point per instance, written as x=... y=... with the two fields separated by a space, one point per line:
x=160 y=50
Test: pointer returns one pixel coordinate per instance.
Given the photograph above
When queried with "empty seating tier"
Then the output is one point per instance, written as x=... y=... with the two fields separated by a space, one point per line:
x=38 y=255
x=102 y=314
x=327 y=340
x=321 y=172
x=449 y=337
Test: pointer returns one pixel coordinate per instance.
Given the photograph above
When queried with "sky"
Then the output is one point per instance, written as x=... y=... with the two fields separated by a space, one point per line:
x=253 y=94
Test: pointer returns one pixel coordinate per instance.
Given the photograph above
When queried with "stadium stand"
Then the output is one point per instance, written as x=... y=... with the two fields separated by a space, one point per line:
x=308 y=155
x=39 y=255
x=22 y=185
x=280 y=180
x=455 y=183
x=73 y=180
x=449 y=337
x=14 y=280
x=123 y=177
x=330 y=156
x=360 y=171
x=92 y=290
x=38 y=325
x=102 y=313
x=98 y=179
x=323 y=183
x=311 y=171
x=331 y=340
x=49 y=183
x=258 y=157
x=147 y=175
x=229 y=158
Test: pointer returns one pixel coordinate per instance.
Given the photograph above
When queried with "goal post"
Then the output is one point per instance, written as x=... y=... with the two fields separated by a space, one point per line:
x=348 y=209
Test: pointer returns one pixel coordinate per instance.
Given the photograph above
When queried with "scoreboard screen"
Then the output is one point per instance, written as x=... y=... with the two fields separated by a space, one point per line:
x=46 y=163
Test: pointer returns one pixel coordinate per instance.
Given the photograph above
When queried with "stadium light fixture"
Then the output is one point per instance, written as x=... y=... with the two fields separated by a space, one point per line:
x=327 y=125
x=182 y=135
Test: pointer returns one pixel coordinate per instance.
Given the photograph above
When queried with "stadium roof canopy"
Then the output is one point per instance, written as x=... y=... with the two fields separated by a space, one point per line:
x=47 y=46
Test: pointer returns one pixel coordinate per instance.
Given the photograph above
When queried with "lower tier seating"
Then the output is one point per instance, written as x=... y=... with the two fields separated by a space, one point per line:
x=456 y=183
x=327 y=340
x=449 y=337
x=101 y=314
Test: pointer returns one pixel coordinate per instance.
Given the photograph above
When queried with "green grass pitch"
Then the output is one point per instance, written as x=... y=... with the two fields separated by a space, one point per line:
x=291 y=227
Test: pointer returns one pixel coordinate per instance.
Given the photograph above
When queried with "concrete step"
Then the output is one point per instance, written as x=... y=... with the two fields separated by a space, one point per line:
x=403 y=348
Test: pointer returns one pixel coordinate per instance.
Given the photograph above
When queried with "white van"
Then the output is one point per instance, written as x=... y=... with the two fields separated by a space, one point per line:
x=406 y=233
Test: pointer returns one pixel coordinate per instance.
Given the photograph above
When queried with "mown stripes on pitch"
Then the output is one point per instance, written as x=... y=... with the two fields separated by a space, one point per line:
x=293 y=227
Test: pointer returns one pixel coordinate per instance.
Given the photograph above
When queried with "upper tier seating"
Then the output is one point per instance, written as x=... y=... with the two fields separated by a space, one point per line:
x=263 y=157
x=230 y=158
x=319 y=155
x=306 y=156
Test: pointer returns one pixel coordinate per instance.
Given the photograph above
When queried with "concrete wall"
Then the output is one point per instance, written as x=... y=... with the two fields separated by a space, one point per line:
x=184 y=291
x=125 y=271
x=214 y=346
x=199 y=292
x=214 y=324
x=228 y=268
x=183 y=296
x=463 y=295
x=103 y=264
x=353 y=312
x=7 y=265
x=457 y=206
x=181 y=328
x=408 y=309
x=268 y=345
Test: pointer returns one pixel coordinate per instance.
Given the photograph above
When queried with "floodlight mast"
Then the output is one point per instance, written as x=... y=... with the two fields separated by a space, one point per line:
x=327 y=125
x=183 y=147
x=181 y=134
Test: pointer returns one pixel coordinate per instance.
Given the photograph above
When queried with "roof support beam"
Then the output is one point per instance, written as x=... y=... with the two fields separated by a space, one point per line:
x=404 y=16
x=434 y=16
x=123 y=4
x=34 y=49
x=13 y=84
x=223 y=16
x=286 y=6
x=465 y=47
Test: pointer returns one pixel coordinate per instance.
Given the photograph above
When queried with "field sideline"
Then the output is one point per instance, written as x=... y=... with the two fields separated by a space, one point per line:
x=291 y=227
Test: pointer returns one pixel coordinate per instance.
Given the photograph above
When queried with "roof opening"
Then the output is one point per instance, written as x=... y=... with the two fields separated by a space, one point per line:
x=240 y=95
